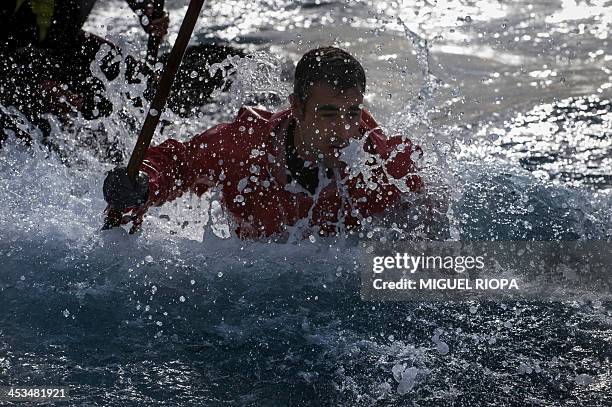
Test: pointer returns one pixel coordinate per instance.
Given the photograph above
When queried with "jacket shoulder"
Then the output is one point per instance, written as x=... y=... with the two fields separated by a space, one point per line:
x=377 y=141
x=380 y=143
x=255 y=113
x=248 y=126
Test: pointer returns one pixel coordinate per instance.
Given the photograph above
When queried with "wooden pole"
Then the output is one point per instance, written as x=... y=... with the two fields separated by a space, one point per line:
x=114 y=215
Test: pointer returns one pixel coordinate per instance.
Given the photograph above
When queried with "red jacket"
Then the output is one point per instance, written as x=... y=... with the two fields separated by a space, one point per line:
x=246 y=159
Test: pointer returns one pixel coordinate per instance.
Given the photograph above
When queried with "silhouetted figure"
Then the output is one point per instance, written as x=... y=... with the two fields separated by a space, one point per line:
x=45 y=56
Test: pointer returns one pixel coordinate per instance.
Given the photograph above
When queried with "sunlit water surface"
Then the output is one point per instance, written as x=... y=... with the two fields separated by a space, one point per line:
x=511 y=102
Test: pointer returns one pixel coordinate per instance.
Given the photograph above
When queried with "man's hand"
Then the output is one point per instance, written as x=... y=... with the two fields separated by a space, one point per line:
x=121 y=193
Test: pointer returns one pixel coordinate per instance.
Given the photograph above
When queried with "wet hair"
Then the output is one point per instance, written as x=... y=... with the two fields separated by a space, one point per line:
x=329 y=65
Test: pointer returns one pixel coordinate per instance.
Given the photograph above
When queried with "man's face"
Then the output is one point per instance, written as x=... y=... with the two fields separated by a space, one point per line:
x=327 y=121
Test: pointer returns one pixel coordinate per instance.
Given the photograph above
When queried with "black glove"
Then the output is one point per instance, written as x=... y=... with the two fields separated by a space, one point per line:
x=121 y=193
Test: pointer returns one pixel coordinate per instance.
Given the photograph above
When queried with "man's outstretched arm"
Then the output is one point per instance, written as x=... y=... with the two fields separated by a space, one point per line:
x=169 y=170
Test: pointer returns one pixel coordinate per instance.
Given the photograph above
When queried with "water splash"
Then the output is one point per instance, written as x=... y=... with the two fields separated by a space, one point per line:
x=254 y=79
x=276 y=315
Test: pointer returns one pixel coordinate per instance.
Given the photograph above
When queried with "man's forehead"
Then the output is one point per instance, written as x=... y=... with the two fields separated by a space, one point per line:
x=325 y=97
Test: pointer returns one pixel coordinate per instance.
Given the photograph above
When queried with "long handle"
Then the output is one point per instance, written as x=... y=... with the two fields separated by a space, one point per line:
x=113 y=216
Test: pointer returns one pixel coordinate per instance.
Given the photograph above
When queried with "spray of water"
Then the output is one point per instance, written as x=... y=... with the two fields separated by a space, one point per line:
x=273 y=315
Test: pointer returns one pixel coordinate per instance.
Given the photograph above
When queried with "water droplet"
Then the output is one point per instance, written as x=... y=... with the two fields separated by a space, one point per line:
x=220 y=274
x=149 y=259
x=584 y=380
x=66 y=313
x=193 y=74
x=182 y=299
x=442 y=348
x=153 y=112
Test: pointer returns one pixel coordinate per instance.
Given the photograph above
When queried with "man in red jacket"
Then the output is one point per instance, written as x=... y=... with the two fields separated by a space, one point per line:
x=322 y=166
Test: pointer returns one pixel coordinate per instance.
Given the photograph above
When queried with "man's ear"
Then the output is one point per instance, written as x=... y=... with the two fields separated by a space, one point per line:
x=297 y=106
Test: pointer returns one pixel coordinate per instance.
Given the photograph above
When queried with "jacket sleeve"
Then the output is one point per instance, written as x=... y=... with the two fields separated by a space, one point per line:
x=176 y=167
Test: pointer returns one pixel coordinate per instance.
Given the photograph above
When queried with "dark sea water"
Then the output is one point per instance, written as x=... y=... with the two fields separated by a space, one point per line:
x=511 y=102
